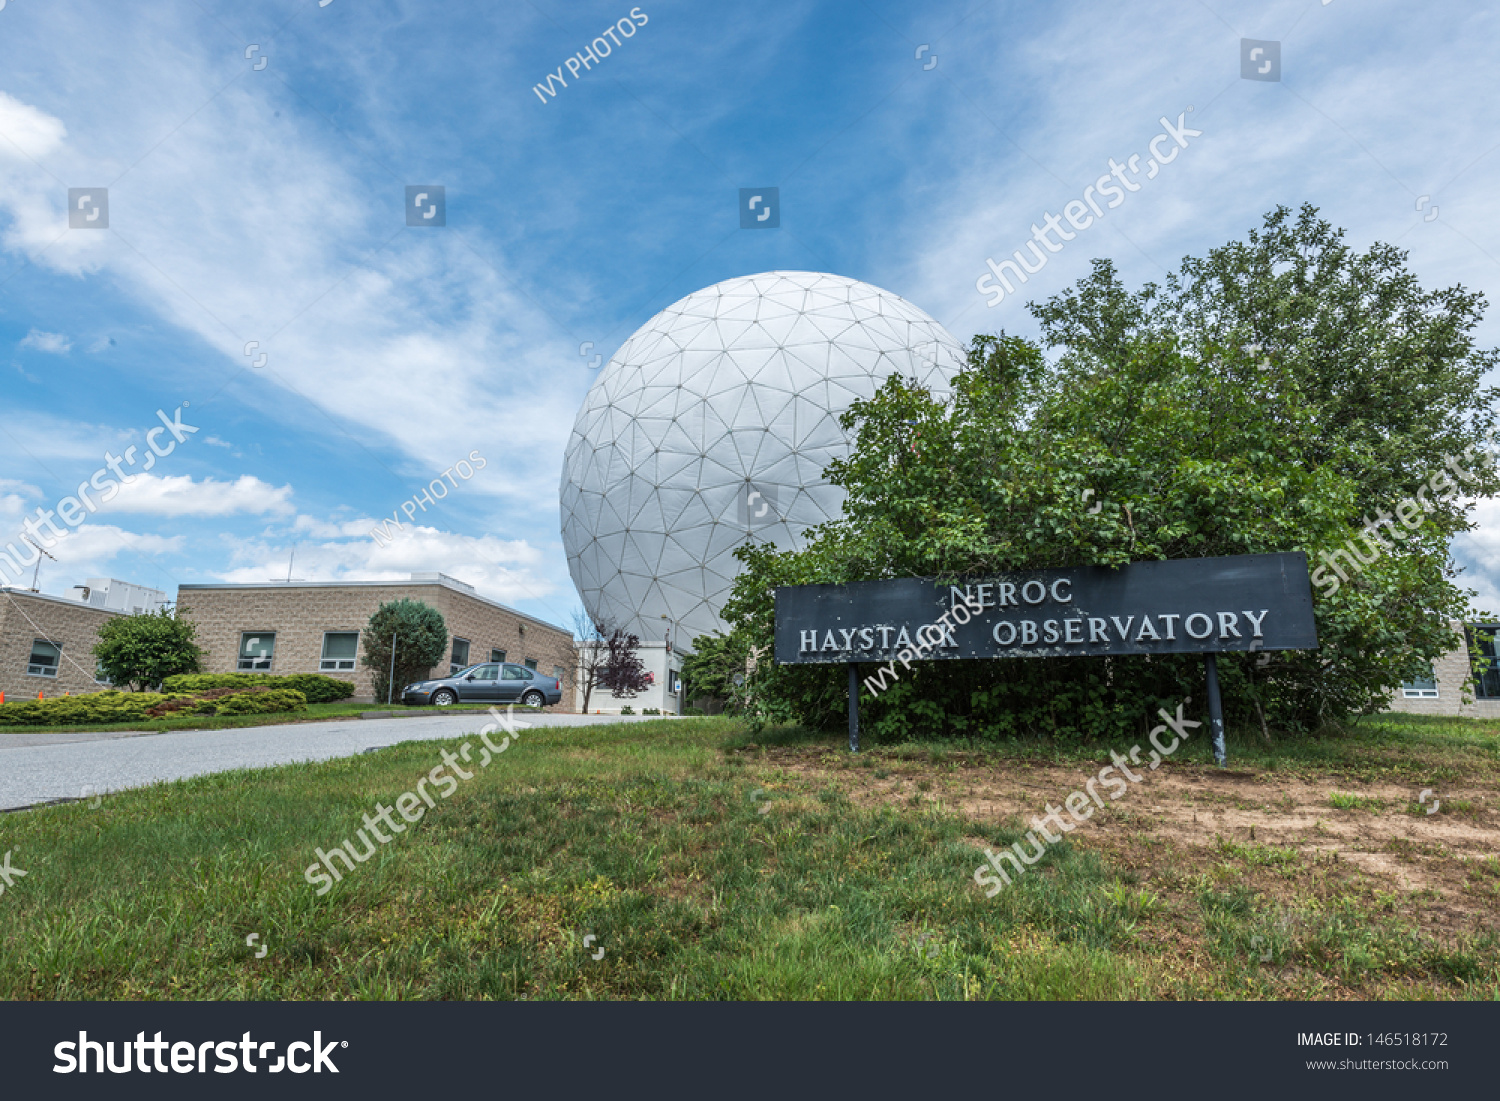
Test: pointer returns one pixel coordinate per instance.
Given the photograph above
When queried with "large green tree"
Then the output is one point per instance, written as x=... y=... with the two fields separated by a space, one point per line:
x=708 y=672
x=420 y=637
x=1275 y=395
x=145 y=649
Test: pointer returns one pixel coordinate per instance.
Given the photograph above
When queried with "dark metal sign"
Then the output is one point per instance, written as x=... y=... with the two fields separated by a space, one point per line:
x=1181 y=606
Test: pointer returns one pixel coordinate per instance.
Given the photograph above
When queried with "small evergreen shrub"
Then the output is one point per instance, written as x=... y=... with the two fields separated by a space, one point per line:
x=315 y=687
x=270 y=701
x=97 y=708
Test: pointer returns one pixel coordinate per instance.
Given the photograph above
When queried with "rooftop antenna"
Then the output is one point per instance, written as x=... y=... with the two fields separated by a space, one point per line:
x=293 y=558
x=36 y=572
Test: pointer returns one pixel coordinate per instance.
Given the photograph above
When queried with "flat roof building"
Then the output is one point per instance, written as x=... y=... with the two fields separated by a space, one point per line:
x=47 y=644
x=1453 y=677
x=663 y=665
x=315 y=626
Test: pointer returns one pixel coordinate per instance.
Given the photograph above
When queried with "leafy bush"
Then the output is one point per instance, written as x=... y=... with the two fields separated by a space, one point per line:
x=141 y=650
x=314 y=686
x=204 y=703
x=263 y=702
x=97 y=708
x=627 y=710
x=421 y=638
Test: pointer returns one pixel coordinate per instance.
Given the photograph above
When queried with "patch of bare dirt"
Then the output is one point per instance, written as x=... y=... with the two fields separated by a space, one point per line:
x=1183 y=819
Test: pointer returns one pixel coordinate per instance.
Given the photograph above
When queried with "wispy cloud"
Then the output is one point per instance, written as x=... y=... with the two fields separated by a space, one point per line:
x=182 y=496
x=55 y=343
x=510 y=571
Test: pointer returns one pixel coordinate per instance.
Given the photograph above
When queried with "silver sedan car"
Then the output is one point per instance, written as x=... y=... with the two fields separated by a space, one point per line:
x=490 y=682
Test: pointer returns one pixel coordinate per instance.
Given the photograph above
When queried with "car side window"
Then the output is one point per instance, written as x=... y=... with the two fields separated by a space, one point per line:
x=528 y=674
x=487 y=672
x=513 y=672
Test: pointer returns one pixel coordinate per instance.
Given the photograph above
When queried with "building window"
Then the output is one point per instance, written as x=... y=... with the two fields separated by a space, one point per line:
x=675 y=680
x=100 y=676
x=1423 y=688
x=1487 y=668
x=44 y=658
x=531 y=664
x=256 y=650
x=460 y=658
x=497 y=655
x=557 y=673
x=340 y=648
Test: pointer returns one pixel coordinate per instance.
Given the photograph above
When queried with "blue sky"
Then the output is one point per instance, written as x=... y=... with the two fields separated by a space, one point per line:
x=267 y=205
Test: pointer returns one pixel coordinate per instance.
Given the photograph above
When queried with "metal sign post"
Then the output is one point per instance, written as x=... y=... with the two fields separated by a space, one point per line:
x=1215 y=709
x=853 y=708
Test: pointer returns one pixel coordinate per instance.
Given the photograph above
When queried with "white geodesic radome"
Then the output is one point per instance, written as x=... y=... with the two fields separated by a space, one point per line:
x=712 y=425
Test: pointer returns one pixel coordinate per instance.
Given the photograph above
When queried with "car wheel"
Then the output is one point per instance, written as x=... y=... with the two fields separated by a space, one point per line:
x=444 y=696
x=533 y=699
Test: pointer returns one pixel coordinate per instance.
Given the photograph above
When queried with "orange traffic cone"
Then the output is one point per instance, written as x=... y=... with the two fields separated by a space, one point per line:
x=38 y=693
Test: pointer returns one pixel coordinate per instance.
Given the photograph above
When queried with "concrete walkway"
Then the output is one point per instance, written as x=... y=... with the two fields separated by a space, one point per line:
x=43 y=765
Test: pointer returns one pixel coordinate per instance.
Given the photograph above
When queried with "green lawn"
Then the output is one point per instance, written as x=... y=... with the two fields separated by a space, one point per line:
x=708 y=865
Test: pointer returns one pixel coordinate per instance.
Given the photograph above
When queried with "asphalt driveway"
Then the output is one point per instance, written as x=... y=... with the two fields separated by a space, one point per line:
x=43 y=765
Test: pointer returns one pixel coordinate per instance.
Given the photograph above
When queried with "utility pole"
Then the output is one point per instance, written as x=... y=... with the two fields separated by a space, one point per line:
x=390 y=692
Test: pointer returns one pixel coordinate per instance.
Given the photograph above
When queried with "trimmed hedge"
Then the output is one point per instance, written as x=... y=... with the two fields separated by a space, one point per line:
x=124 y=707
x=96 y=707
x=314 y=686
x=263 y=703
x=214 y=701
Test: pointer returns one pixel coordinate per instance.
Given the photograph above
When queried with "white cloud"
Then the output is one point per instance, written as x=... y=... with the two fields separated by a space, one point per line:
x=28 y=132
x=93 y=550
x=56 y=343
x=182 y=496
x=1479 y=552
x=507 y=570
x=14 y=498
x=414 y=335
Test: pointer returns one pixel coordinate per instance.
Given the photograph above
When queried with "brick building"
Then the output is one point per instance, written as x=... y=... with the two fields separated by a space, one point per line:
x=314 y=627
x=47 y=644
x=1452 y=679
